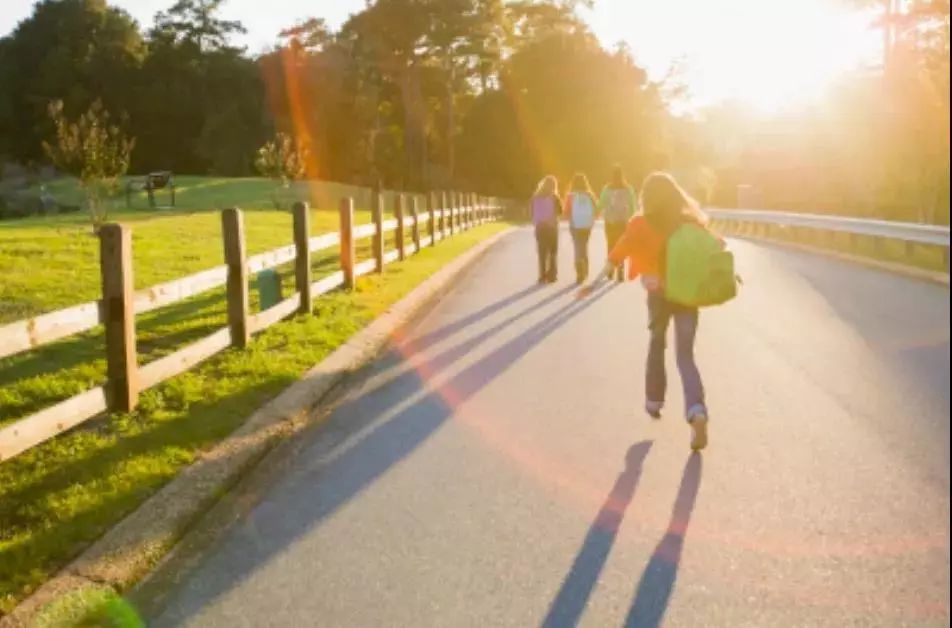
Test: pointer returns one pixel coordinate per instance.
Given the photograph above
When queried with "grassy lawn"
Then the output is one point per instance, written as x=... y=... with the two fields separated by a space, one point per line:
x=47 y=263
x=60 y=496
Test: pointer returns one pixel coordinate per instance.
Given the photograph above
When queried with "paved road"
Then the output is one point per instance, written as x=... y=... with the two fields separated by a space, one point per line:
x=497 y=469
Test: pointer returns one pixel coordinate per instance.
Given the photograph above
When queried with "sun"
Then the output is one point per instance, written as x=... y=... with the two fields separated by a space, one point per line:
x=767 y=54
x=785 y=58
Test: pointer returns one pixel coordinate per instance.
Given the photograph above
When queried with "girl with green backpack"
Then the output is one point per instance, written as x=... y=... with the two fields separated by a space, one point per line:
x=670 y=246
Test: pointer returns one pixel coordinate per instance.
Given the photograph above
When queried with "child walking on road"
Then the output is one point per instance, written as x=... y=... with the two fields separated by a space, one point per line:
x=546 y=208
x=581 y=208
x=665 y=208
x=617 y=204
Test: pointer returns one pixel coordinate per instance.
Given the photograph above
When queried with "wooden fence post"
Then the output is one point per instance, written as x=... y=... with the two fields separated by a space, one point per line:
x=431 y=210
x=398 y=211
x=236 y=287
x=302 y=259
x=115 y=263
x=415 y=229
x=454 y=212
x=444 y=204
x=378 y=239
x=347 y=252
x=464 y=210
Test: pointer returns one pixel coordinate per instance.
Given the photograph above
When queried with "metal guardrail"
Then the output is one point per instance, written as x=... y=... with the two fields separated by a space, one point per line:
x=933 y=235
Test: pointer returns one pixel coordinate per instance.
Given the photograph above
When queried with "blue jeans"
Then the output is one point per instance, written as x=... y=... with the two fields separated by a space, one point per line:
x=613 y=233
x=580 y=241
x=660 y=313
x=547 y=246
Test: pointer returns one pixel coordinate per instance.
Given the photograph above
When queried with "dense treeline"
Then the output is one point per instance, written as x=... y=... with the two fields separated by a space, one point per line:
x=408 y=93
x=484 y=94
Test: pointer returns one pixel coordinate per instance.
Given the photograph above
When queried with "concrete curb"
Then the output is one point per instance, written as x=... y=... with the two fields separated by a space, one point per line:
x=891 y=267
x=128 y=551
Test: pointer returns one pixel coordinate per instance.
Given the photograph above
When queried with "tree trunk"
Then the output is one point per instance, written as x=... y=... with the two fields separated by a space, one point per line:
x=450 y=125
x=412 y=94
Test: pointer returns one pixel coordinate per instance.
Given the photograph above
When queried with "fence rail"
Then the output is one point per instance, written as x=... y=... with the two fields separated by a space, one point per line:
x=445 y=214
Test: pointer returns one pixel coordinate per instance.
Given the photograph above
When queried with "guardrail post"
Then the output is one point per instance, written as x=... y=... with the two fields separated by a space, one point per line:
x=431 y=211
x=415 y=228
x=879 y=245
x=302 y=258
x=115 y=263
x=398 y=211
x=236 y=286
x=347 y=252
x=378 y=239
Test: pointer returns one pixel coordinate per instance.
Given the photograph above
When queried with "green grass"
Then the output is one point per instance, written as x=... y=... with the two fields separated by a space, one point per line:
x=57 y=498
x=92 y=606
x=47 y=263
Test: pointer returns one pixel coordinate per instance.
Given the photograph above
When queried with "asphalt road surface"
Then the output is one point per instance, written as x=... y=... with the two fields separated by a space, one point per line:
x=497 y=469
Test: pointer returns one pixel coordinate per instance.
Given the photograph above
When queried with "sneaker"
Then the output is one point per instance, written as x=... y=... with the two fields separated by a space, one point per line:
x=653 y=408
x=697 y=418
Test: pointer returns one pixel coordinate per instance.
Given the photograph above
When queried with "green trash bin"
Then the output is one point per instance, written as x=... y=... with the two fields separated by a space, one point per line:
x=269 y=288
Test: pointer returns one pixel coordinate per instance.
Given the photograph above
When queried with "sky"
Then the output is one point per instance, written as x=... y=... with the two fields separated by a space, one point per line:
x=767 y=54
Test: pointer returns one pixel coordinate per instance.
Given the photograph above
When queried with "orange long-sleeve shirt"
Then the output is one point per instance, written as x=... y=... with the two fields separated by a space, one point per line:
x=642 y=246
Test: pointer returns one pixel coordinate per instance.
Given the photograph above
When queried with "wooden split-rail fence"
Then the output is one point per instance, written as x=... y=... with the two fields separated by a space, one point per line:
x=445 y=214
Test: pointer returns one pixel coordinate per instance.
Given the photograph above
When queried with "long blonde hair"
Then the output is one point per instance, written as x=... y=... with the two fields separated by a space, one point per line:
x=548 y=186
x=580 y=184
x=667 y=206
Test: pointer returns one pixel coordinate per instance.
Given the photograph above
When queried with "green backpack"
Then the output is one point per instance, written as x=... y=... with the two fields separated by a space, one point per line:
x=700 y=271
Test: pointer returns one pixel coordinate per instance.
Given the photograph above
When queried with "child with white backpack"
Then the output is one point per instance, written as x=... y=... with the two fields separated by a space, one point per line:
x=582 y=209
x=617 y=204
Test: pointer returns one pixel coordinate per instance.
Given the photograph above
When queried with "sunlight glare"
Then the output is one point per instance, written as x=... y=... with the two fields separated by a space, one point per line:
x=769 y=54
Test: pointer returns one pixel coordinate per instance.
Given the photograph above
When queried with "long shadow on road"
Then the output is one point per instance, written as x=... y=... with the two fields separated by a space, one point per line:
x=320 y=489
x=573 y=596
x=657 y=582
x=449 y=329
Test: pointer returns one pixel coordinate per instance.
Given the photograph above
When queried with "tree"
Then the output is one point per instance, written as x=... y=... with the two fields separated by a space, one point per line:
x=77 y=51
x=310 y=35
x=93 y=150
x=199 y=108
x=512 y=136
x=404 y=40
x=283 y=160
x=194 y=21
